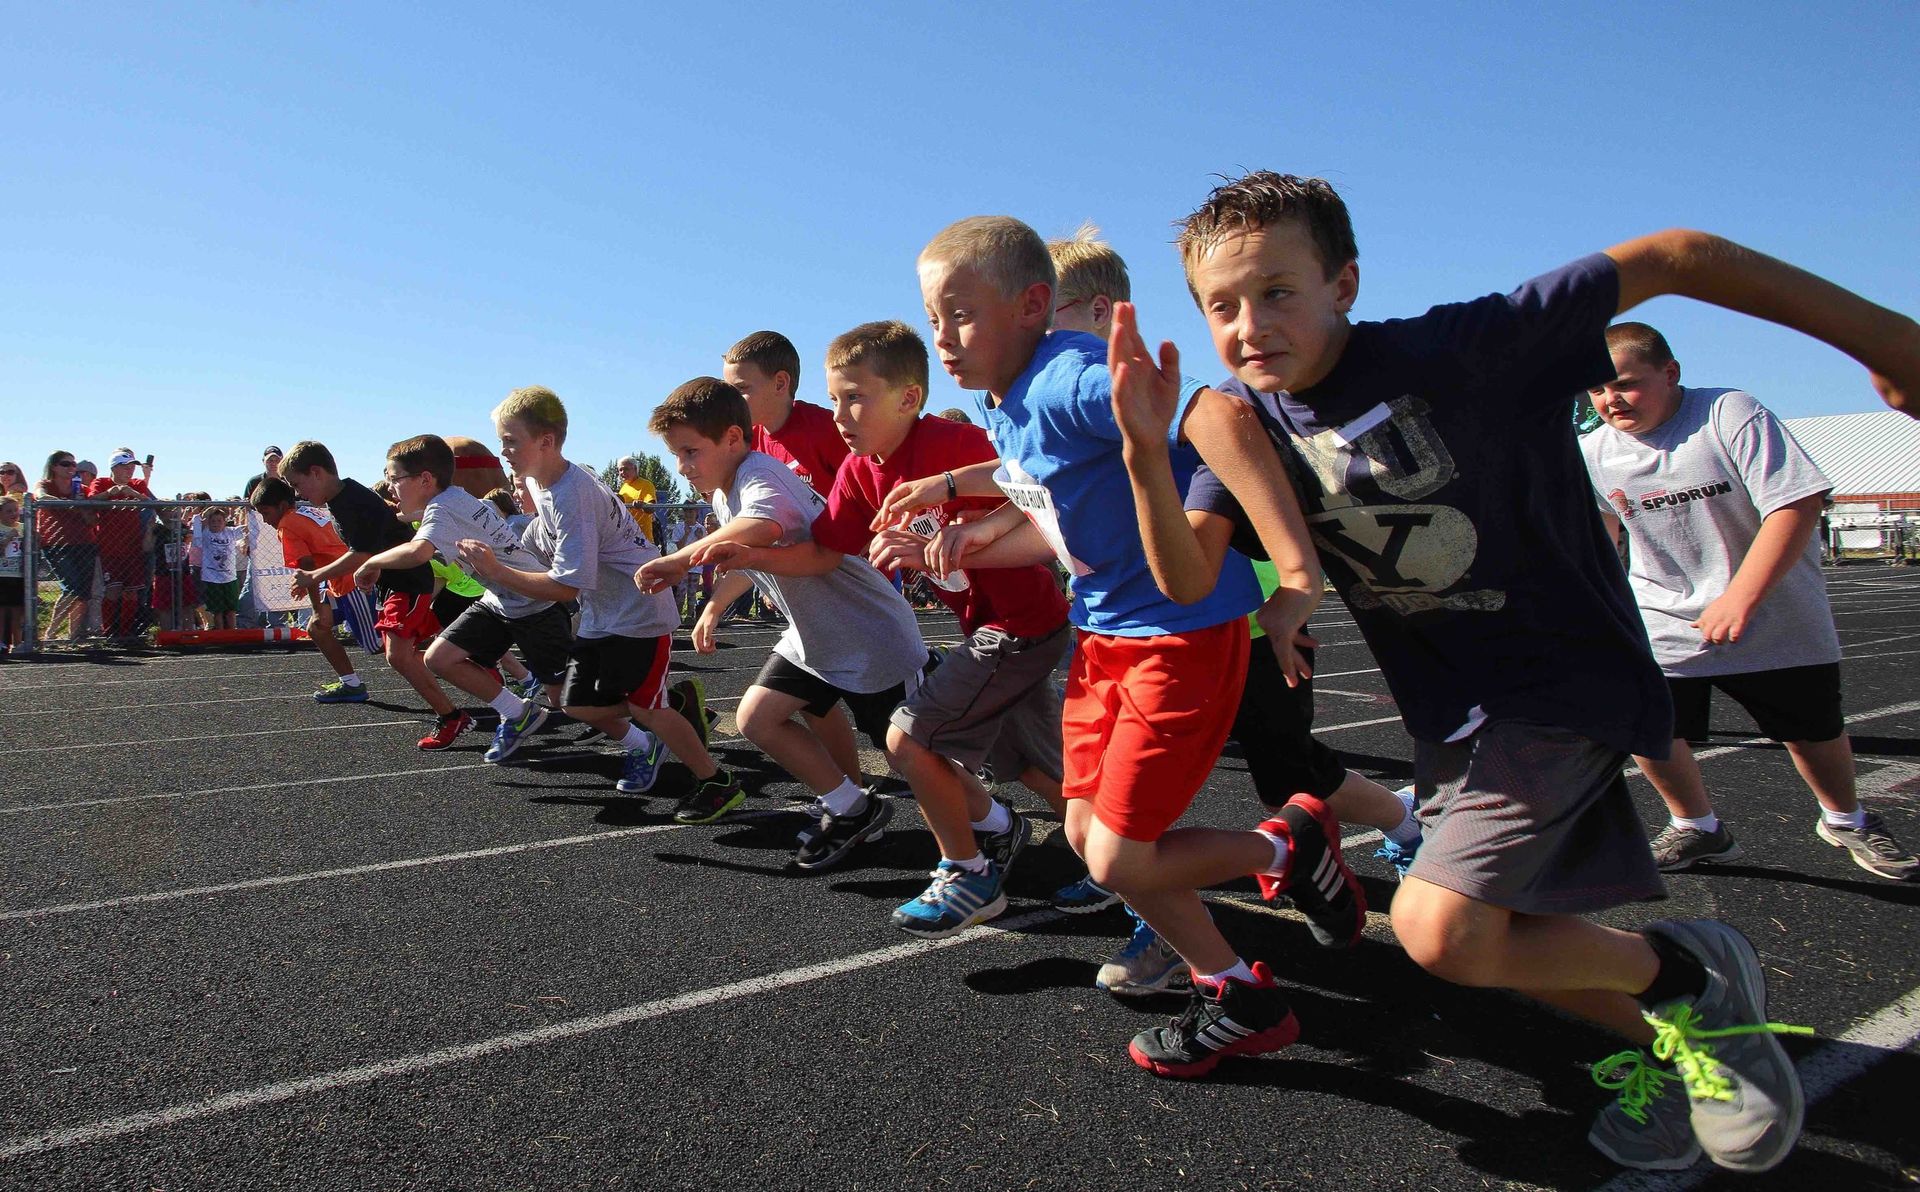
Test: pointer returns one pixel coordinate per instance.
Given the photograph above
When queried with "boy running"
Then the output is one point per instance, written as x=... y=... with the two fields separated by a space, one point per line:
x=1721 y=505
x=850 y=638
x=405 y=594
x=617 y=672
x=466 y=652
x=308 y=542
x=992 y=696
x=1442 y=482
x=1154 y=683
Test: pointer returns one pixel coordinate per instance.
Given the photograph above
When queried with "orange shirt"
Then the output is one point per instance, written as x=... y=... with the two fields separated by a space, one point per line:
x=302 y=535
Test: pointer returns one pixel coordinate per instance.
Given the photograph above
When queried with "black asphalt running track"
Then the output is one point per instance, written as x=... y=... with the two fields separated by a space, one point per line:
x=248 y=941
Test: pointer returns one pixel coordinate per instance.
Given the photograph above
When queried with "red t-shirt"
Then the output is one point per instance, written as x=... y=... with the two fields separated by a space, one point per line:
x=119 y=534
x=1024 y=601
x=808 y=442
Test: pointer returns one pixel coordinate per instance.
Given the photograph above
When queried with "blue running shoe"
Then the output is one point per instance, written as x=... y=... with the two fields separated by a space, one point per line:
x=641 y=769
x=1084 y=897
x=1400 y=856
x=511 y=733
x=529 y=688
x=1145 y=964
x=955 y=901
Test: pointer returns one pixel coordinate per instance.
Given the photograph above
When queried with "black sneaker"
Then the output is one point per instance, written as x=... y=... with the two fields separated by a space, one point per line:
x=1317 y=876
x=1002 y=847
x=836 y=835
x=1231 y=1018
x=710 y=800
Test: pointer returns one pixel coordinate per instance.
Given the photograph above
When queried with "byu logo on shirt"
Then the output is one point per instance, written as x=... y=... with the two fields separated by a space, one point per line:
x=1406 y=554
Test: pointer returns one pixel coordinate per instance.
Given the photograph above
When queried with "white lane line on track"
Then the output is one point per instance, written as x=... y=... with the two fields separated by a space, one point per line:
x=536 y=761
x=1888 y=1033
x=179 y=678
x=1882 y=641
x=1742 y=746
x=1887 y=654
x=407 y=1065
x=270 y=732
x=316 y=875
x=171 y=703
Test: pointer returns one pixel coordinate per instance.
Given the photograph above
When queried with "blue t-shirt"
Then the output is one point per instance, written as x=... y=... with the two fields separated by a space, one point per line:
x=1059 y=447
x=1450 y=506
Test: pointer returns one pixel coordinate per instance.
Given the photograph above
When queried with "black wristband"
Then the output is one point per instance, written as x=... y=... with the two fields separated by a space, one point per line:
x=953 y=490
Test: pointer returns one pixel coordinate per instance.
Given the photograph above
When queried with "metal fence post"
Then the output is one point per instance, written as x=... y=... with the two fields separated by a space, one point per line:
x=30 y=636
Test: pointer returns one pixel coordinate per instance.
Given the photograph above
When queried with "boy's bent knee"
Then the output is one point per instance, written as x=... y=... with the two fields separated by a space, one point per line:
x=1450 y=935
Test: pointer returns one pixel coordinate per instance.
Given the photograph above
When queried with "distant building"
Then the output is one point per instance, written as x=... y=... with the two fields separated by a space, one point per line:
x=1873 y=460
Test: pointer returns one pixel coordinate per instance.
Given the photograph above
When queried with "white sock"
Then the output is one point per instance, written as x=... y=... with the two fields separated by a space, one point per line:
x=1855 y=819
x=999 y=819
x=1280 y=851
x=509 y=705
x=843 y=799
x=1708 y=823
x=351 y=679
x=973 y=864
x=1407 y=830
x=1239 y=972
x=636 y=739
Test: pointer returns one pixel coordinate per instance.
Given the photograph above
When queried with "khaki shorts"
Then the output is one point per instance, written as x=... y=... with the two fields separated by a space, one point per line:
x=992 y=700
x=1532 y=818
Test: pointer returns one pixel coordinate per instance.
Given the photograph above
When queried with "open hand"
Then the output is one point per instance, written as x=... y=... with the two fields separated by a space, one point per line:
x=1145 y=393
x=908 y=498
x=478 y=557
x=657 y=575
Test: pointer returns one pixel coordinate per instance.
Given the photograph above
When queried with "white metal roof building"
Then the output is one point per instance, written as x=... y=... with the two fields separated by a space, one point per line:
x=1871 y=458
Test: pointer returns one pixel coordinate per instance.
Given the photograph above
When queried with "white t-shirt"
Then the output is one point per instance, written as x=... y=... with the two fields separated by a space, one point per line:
x=848 y=626
x=1691 y=495
x=455 y=514
x=596 y=547
x=219 y=551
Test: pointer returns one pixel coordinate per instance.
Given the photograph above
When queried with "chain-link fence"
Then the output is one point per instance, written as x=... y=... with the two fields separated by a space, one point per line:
x=1863 y=534
x=113 y=572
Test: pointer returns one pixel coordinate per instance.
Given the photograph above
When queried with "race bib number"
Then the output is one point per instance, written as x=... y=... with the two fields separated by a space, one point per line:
x=927 y=525
x=1037 y=503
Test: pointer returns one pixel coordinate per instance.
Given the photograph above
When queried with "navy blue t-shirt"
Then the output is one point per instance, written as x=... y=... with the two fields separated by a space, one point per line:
x=1450 y=506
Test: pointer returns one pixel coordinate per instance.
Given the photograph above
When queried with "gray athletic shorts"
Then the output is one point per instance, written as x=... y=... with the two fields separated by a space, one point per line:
x=1533 y=818
x=992 y=699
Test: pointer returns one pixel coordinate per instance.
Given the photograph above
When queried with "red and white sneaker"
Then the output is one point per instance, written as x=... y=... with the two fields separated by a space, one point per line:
x=1230 y=1018
x=1317 y=876
x=446 y=731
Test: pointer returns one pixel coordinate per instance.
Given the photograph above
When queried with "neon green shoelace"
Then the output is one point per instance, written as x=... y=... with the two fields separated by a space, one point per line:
x=1683 y=1042
x=1637 y=1081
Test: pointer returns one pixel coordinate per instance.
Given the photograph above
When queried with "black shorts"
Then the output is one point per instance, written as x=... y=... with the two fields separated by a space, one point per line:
x=1274 y=728
x=486 y=634
x=871 y=711
x=1795 y=703
x=449 y=604
x=606 y=671
x=13 y=591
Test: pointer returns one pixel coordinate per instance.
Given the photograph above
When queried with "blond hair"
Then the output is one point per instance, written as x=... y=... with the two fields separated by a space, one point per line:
x=892 y=350
x=1088 y=268
x=537 y=408
x=1007 y=254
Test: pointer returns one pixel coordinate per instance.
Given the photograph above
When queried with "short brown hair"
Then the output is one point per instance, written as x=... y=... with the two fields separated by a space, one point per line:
x=1638 y=339
x=306 y=456
x=770 y=352
x=708 y=404
x=1008 y=254
x=956 y=414
x=270 y=493
x=894 y=351
x=537 y=408
x=1088 y=267
x=425 y=453
x=1263 y=199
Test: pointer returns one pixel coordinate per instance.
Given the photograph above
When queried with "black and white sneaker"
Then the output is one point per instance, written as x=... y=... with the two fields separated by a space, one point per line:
x=1002 y=847
x=828 y=842
x=1231 y=1018
x=1317 y=876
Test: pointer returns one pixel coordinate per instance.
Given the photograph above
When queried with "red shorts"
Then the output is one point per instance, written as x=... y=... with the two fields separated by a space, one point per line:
x=408 y=616
x=1145 y=719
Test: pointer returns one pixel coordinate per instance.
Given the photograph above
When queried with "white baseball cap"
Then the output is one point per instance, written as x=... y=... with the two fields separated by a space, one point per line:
x=122 y=457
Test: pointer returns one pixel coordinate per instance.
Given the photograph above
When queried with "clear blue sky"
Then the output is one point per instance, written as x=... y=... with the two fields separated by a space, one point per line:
x=228 y=225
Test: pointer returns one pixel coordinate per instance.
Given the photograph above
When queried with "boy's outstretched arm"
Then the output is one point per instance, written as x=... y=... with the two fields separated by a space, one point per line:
x=800 y=559
x=1712 y=269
